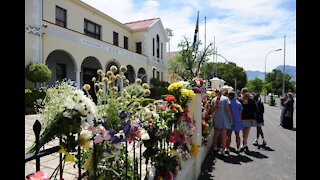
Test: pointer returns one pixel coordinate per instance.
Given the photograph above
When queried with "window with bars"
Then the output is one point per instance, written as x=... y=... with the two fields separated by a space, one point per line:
x=92 y=29
x=138 y=47
x=61 y=17
x=125 y=42
x=115 y=38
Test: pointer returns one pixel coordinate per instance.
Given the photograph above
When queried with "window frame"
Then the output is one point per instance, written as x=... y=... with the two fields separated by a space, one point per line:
x=115 y=40
x=92 y=34
x=58 y=21
x=125 y=42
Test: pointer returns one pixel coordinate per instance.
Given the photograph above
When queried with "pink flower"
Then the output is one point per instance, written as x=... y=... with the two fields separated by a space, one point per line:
x=98 y=138
x=101 y=129
x=40 y=175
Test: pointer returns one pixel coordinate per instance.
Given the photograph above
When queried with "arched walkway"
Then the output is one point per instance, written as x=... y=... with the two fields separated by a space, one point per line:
x=130 y=74
x=142 y=74
x=62 y=65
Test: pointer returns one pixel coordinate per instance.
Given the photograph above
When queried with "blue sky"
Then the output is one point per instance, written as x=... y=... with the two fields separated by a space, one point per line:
x=244 y=30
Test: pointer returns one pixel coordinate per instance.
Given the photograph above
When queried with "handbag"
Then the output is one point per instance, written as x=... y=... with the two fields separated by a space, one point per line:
x=288 y=114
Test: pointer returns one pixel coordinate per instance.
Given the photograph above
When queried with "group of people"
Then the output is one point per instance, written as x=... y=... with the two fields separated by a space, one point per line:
x=286 y=115
x=231 y=114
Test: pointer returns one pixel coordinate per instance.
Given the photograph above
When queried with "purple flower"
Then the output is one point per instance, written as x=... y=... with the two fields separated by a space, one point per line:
x=126 y=127
x=122 y=115
x=115 y=140
x=112 y=132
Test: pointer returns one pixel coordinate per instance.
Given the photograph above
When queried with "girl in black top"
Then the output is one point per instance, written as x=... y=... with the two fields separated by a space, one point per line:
x=259 y=119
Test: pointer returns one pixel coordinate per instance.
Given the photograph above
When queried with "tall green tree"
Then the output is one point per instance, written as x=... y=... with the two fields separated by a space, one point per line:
x=189 y=60
x=255 y=85
x=229 y=72
x=275 y=80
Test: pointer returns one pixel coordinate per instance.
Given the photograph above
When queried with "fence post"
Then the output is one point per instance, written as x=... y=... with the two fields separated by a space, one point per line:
x=195 y=110
x=36 y=130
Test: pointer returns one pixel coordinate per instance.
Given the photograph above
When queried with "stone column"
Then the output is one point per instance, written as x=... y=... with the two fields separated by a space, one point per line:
x=195 y=111
x=78 y=79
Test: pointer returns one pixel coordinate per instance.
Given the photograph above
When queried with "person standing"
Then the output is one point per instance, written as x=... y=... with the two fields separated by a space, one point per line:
x=287 y=119
x=236 y=112
x=248 y=116
x=221 y=120
x=282 y=100
x=259 y=120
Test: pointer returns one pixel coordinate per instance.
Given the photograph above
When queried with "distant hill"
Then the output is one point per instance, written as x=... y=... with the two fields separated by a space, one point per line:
x=291 y=70
x=255 y=74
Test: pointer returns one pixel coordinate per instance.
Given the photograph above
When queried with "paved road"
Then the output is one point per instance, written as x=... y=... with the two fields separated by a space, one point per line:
x=277 y=161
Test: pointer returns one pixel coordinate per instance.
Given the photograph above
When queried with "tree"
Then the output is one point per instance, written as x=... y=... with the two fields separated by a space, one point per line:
x=226 y=71
x=38 y=72
x=189 y=60
x=275 y=80
x=255 y=85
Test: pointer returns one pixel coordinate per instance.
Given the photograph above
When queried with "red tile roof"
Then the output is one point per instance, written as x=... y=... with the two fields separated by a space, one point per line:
x=141 y=24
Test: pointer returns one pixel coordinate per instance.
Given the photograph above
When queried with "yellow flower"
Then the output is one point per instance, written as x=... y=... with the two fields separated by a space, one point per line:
x=105 y=79
x=178 y=107
x=113 y=69
x=175 y=86
x=86 y=87
x=160 y=178
x=109 y=73
x=100 y=72
x=174 y=152
x=194 y=149
x=186 y=93
x=69 y=158
x=62 y=150
x=83 y=141
x=123 y=68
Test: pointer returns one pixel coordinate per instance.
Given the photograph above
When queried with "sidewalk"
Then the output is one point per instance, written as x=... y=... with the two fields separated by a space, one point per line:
x=47 y=163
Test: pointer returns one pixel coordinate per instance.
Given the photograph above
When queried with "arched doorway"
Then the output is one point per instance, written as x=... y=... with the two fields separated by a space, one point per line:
x=62 y=65
x=89 y=68
x=143 y=75
x=130 y=74
x=113 y=63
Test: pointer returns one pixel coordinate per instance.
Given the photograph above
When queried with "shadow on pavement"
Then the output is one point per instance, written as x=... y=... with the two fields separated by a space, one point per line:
x=234 y=159
x=267 y=148
x=256 y=154
x=208 y=166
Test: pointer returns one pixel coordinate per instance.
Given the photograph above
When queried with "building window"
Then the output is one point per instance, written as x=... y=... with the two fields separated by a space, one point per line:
x=161 y=49
x=161 y=77
x=115 y=38
x=61 y=71
x=92 y=29
x=125 y=42
x=158 y=75
x=61 y=17
x=158 y=46
x=138 y=47
x=152 y=46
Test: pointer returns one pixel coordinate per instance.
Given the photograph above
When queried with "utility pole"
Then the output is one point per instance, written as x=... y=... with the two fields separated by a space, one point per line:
x=284 y=67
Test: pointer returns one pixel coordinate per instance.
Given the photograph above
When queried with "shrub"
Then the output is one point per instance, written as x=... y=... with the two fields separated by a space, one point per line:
x=157 y=92
x=272 y=101
x=31 y=96
x=146 y=101
x=38 y=72
x=157 y=83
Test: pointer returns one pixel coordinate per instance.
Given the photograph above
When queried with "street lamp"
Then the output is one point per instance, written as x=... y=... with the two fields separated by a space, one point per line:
x=265 y=72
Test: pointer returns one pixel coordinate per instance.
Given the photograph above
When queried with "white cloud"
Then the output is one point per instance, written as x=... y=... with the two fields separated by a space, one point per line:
x=248 y=31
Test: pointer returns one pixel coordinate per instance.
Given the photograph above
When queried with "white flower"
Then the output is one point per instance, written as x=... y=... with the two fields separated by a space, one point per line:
x=90 y=119
x=69 y=103
x=94 y=79
x=156 y=116
x=144 y=135
x=85 y=125
x=67 y=114
x=87 y=134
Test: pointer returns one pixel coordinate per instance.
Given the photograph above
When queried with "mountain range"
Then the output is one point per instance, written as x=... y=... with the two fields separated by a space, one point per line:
x=291 y=70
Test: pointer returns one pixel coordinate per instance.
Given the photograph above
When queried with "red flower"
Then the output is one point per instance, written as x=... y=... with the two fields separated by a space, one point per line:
x=170 y=98
x=186 y=110
x=171 y=138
